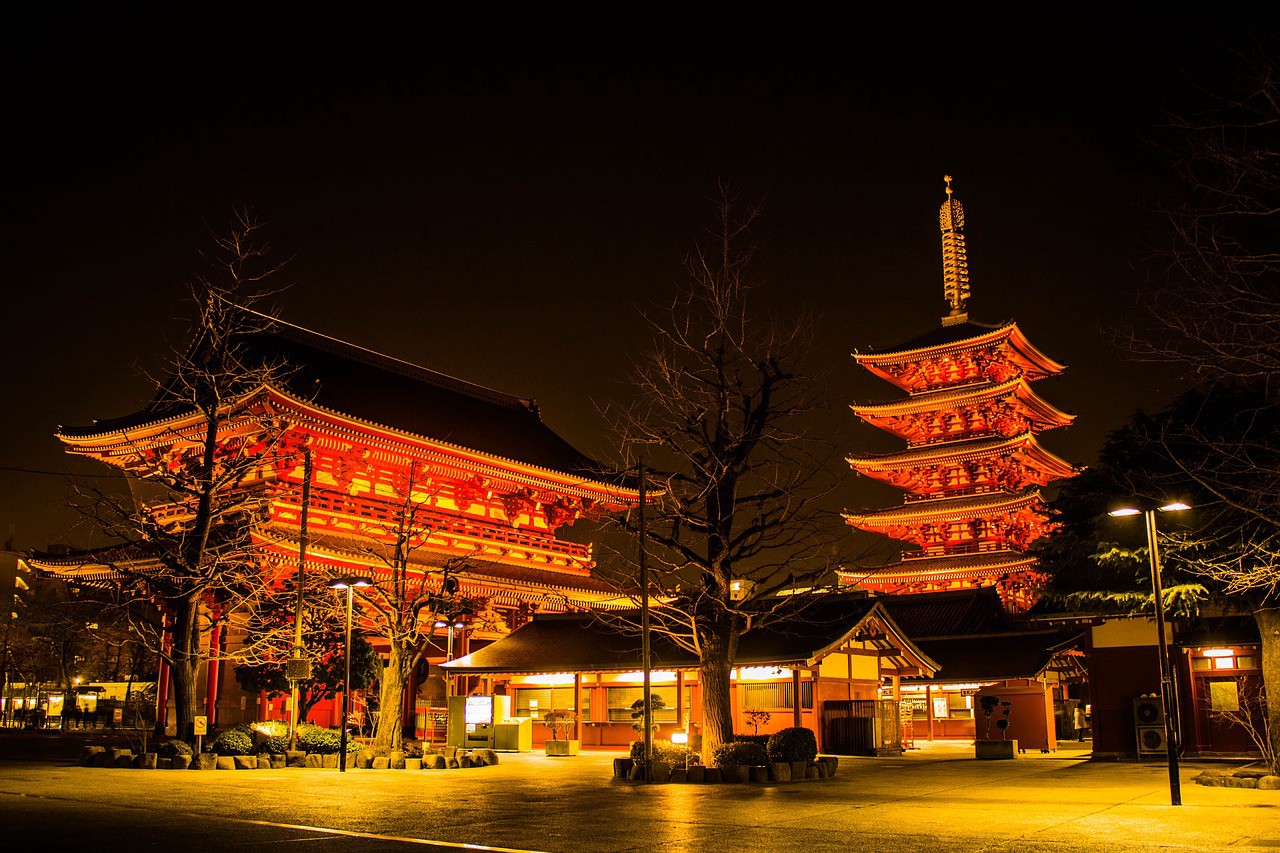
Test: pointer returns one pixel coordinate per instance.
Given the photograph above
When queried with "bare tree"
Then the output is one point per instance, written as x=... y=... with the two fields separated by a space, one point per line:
x=183 y=524
x=413 y=588
x=719 y=418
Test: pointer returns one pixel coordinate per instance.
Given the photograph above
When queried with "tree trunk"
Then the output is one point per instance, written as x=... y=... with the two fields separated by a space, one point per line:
x=390 y=730
x=1269 y=629
x=185 y=664
x=717 y=708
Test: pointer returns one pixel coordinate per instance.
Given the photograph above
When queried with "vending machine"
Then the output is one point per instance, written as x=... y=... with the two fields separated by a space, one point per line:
x=473 y=719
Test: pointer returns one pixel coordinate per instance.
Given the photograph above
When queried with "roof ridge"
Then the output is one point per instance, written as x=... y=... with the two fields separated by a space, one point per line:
x=338 y=346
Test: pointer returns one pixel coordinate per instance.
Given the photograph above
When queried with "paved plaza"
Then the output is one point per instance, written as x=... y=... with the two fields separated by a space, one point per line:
x=935 y=799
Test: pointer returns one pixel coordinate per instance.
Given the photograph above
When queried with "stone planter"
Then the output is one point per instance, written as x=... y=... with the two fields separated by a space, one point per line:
x=487 y=757
x=148 y=761
x=264 y=761
x=313 y=761
x=226 y=762
x=246 y=762
x=621 y=767
x=295 y=758
x=329 y=761
x=563 y=747
x=434 y=762
x=277 y=761
x=661 y=772
x=779 y=771
x=349 y=761
x=125 y=760
x=799 y=769
x=679 y=776
x=205 y=761
x=364 y=759
x=832 y=763
x=759 y=774
x=995 y=750
x=89 y=753
x=736 y=774
x=180 y=762
x=696 y=774
x=381 y=762
x=413 y=764
x=164 y=763
x=397 y=759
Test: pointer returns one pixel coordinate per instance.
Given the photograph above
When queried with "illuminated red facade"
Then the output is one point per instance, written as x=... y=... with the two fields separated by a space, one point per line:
x=490 y=481
x=973 y=465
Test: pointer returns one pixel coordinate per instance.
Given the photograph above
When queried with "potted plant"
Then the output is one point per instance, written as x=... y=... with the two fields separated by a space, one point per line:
x=987 y=749
x=560 y=725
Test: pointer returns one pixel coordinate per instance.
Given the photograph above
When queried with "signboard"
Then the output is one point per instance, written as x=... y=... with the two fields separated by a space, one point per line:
x=201 y=725
x=297 y=669
x=117 y=715
x=479 y=710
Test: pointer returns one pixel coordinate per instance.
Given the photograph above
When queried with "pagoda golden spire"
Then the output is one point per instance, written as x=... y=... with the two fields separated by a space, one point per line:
x=955 y=261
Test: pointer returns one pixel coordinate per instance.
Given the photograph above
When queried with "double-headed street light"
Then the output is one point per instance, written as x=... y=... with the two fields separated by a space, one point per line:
x=349 y=584
x=1166 y=674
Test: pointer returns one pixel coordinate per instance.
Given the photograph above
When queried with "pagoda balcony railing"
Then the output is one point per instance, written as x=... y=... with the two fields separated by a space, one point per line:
x=951 y=492
x=961 y=435
x=441 y=523
x=956 y=550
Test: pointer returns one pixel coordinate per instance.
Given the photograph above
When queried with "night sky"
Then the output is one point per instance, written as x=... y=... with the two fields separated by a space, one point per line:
x=493 y=198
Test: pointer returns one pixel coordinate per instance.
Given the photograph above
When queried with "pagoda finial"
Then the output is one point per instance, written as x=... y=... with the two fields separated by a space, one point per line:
x=955 y=262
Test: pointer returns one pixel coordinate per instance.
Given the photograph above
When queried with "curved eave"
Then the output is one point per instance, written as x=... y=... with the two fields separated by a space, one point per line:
x=968 y=395
x=944 y=509
x=620 y=497
x=941 y=568
x=1025 y=444
x=285 y=546
x=880 y=362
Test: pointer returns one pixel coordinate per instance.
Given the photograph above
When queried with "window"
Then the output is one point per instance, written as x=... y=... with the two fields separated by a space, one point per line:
x=1224 y=696
x=549 y=699
x=776 y=694
x=620 y=699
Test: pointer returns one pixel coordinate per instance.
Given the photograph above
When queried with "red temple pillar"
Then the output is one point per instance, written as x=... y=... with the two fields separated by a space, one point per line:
x=162 y=678
x=795 y=692
x=577 y=706
x=216 y=640
x=680 y=699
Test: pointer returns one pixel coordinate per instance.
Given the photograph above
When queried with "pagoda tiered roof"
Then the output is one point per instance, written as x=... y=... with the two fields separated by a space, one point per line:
x=910 y=417
x=943 y=510
x=961 y=567
x=1035 y=464
x=1003 y=349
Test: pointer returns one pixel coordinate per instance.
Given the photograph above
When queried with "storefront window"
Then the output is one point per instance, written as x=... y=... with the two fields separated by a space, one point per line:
x=549 y=699
x=620 y=699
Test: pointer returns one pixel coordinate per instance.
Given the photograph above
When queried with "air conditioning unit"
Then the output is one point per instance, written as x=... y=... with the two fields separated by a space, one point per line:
x=1148 y=711
x=1151 y=740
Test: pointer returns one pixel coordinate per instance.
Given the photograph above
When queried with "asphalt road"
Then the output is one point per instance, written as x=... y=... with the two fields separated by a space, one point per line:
x=934 y=799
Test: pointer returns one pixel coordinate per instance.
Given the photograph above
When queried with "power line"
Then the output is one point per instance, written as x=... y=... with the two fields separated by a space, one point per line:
x=56 y=473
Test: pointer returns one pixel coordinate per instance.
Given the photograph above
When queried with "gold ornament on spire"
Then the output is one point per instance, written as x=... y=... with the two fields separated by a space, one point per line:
x=955 y=261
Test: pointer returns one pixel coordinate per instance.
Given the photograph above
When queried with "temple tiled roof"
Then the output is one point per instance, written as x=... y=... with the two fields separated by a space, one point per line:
x=941 y=336
x=963 y=451
x=384 y=390
x=950 y=613
x=946 y=508
x=586 y=643
x=954 y=567
x=999 y=657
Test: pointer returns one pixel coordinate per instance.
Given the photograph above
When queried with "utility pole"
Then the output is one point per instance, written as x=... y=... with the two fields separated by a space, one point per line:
x=298 y=667
x=644 y=634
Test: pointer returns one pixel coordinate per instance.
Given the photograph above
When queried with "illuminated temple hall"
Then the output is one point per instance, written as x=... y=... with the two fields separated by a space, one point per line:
x=491 y=481
x=973 y=465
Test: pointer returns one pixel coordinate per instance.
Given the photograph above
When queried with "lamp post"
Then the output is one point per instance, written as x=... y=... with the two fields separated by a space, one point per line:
x=349 y=584
x=1166 y=674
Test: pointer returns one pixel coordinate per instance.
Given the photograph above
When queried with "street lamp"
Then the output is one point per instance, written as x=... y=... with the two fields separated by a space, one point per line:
x=1166 y=675
x=349 y=584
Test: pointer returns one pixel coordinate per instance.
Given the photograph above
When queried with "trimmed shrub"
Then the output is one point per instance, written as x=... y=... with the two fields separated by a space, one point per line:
x=763 y=740
x=665 y=750
x=793 y=744
x=235 y=741
x=172 y=748
x=411 y=750
x=274 y=745
x=751 y=754
x=315 y=740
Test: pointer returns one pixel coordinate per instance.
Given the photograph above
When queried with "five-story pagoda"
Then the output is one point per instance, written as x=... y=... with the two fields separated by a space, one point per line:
x=973 y=465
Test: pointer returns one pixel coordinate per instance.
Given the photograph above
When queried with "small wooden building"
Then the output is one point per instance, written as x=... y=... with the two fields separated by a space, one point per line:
x=811 y=671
